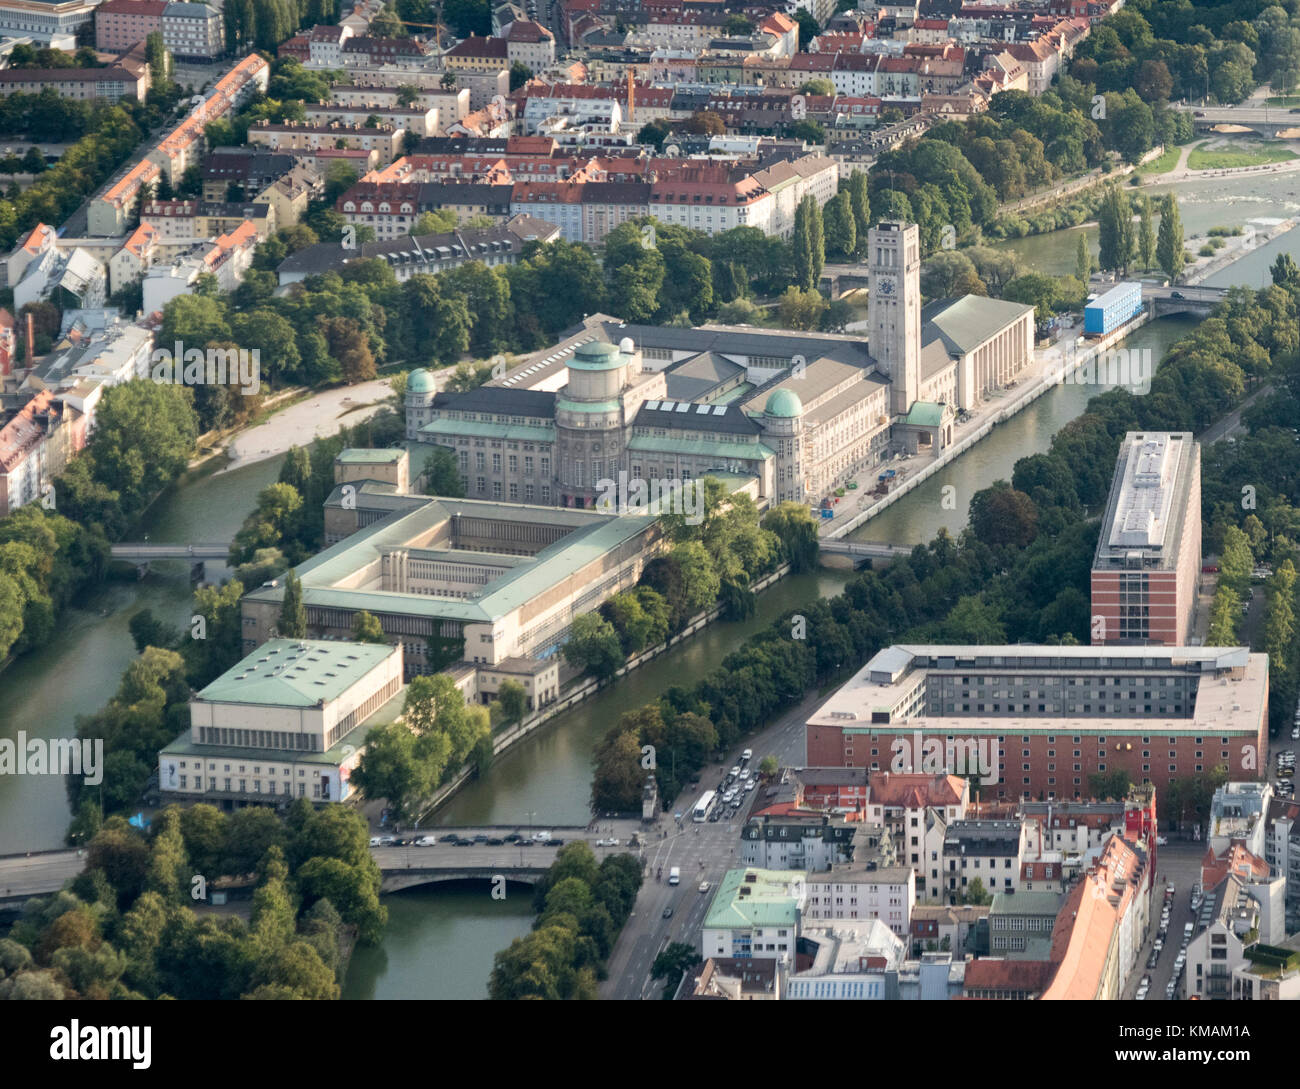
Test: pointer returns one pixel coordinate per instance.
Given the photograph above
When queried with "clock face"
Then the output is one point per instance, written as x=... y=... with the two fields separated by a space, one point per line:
x=885 y=285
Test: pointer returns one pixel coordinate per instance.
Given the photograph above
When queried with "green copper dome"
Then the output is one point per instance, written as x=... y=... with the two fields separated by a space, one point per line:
x=784 y=402
x=419 y=381
x=596 y=355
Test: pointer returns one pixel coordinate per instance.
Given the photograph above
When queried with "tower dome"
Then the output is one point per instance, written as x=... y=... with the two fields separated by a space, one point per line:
x=419 y=381
x=784 y=403
x=595 y=355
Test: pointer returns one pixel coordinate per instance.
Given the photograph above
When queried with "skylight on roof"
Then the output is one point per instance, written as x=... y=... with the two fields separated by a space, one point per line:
x=702 y=410
x=683 y=407
x=719 y=410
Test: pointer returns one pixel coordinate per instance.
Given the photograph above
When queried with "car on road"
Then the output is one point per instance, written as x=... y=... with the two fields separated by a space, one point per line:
x=1141 y=994
x=424 y=841
x=704 y=886
x=541 y=837
x=514 y=837
x=376 y=841
x=1152 y=959
x=715 y=816
x=1162 y=841
x=464 y=843
x=1295 y=734
x=748 y=754
x=1177 y=295
x=1170 y=890
x=482 y=837
x=668 y=913
x=1159 y=945
x=734 y=773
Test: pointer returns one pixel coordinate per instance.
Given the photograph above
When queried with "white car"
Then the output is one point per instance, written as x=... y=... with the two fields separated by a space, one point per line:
x=748 y=754
x=1142 y=993
x=1162 y=841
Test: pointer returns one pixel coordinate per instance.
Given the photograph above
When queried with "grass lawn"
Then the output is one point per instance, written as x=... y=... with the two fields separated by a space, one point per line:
x=1283 y=100
x=1221 y=159
x=1165 y=163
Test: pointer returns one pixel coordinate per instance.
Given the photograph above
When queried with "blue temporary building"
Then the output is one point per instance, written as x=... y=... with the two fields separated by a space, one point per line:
x=1109 y=311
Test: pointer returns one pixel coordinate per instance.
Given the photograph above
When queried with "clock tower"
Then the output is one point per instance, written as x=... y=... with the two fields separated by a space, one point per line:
x=894 y=309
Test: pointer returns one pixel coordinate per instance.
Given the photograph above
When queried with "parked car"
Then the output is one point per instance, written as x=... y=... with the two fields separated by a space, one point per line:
x=495 y=842
x=1162 y=841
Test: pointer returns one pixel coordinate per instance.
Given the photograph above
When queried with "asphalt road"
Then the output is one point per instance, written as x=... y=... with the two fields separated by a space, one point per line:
x=1179 y=864
x=704 y=852
x=38 y=874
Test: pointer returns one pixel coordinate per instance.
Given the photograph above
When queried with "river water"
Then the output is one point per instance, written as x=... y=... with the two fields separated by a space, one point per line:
x=42 y=694
x=440 y=941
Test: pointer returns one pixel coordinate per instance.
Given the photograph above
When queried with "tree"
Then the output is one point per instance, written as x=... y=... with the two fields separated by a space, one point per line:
x=808 y=244
x=950 y=273
x=1000 y=515
x=1169 y=242
x=513 y=700
x=292 y=623
x=367 y=629
x=1146 y=241
x=593 y=646
x=442 y=474
x=520 y=74
x=769 y=765
x=1115 y=231
x=799 y=309
x=1083 y=260
x=840 y=224
x=706 y=123
x=673 y=963
x=386 y=24
x=976 y=894
x=1035 y=289
x=1285 y=272
x=809 y=28
x=798 y=534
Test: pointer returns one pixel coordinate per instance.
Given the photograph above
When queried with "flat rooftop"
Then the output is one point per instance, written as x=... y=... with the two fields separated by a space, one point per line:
x=296 y=672
x=1149 y=501
x=1231 y=691
x=342 y=575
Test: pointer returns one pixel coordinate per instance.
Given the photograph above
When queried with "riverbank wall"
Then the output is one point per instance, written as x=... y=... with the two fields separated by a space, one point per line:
x=585 y=689
x=994 y=415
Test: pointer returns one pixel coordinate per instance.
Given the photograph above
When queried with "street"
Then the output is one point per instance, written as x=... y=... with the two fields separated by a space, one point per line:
x=715 y=844
x=1179 y=864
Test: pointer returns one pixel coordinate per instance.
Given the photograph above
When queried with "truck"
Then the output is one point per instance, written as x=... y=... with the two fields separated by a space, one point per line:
x=675 y=876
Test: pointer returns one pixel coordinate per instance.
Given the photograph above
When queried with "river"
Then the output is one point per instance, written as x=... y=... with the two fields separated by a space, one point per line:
x=440 y=942
x=43 y=693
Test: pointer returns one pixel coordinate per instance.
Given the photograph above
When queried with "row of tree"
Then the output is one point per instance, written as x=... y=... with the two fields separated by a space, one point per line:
x=1020 y=572
x=581 y=908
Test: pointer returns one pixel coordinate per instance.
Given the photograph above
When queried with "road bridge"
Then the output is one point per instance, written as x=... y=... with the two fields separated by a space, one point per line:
x=1268 y=121
x=142 y=553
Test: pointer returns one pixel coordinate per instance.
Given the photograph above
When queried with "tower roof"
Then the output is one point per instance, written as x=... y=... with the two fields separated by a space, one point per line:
x=419 y=381
x=785 y=403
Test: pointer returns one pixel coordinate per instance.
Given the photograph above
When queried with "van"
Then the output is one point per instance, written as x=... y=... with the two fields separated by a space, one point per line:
x=675 y=876
x=748 y=754
x=1188 y=928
